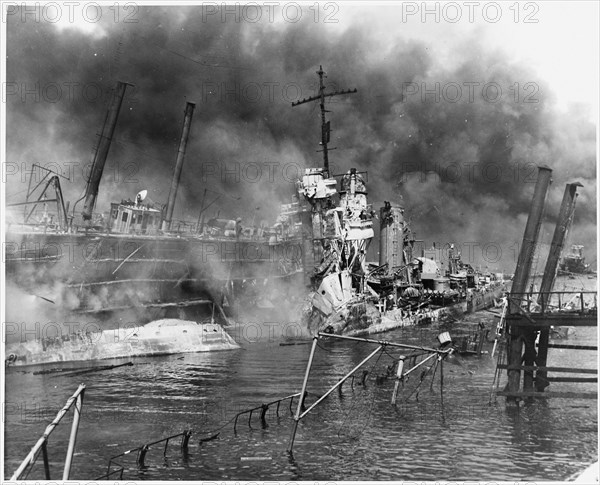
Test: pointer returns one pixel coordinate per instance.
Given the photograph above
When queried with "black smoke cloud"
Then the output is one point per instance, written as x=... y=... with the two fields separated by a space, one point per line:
x=464 y=169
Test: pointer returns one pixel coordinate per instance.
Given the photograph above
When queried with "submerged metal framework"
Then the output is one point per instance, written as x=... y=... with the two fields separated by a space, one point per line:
x=142 y=450
x=301 y=413
x=42 y=443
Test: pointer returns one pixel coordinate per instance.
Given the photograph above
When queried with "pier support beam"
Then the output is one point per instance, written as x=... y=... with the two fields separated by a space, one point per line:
x=518 y=336
x=565 y=217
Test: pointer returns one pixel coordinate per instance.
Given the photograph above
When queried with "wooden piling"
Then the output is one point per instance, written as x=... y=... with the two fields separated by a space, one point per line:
x=565 y=217
x=518 y=335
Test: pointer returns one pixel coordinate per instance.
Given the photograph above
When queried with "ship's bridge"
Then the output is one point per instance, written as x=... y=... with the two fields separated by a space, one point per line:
x=128 y=217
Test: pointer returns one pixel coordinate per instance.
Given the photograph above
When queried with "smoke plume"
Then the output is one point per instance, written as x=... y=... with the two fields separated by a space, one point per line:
x=462 y=166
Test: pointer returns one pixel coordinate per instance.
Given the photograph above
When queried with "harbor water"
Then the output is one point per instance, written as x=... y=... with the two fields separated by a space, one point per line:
x=464 y=434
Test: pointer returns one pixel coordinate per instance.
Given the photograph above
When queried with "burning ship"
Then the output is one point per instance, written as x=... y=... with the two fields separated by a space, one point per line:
x=136 y=258
x=136 y=268
x=352 y=296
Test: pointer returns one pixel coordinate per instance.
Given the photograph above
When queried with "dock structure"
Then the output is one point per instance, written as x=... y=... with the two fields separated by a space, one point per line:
x=531 y=315
x=523 y=327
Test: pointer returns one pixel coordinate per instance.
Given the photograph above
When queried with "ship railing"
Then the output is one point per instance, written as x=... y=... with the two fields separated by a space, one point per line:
x=186 y=434
x=38 y=227
x=42 y=444
x=142 y=451
x=118 y=472
x=263 y=408
x=556 y=301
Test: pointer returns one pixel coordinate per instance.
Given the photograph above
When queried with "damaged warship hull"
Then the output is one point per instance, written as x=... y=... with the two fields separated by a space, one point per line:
x=93 y=277
x=365 y=317
x=134 y=266
x=352 y=296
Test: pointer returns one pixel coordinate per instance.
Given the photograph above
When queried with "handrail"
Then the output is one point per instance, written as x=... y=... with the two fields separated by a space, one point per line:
x=534 y=297
x=31 y=457
x=185 y=437
x=114 y=472
x=264 y=407
x=142 y=450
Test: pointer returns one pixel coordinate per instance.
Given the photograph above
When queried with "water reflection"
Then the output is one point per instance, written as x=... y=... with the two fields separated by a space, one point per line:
x=355 y=435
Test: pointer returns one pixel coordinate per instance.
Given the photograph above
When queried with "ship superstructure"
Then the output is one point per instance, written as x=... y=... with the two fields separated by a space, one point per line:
x=350 y=295
x=574 y=262
x=134 y=260
x=138 y=263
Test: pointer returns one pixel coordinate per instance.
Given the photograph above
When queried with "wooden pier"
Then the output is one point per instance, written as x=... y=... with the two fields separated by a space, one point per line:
x=529 y=354
x=531 y=316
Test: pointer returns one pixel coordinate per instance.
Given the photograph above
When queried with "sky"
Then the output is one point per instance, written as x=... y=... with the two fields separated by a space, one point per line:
x=457 y=103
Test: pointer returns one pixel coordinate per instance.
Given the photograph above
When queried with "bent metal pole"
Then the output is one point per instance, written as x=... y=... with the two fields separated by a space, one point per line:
x=299 y=416
x=73 y=437
x=31 y=456
x=302 y=393
x=381 y=342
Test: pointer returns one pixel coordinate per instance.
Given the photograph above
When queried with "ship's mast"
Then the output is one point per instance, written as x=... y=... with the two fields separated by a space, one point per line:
x=325 y=129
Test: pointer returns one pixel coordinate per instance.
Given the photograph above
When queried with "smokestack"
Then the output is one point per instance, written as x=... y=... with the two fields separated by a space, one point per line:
x=391 y=237
x=187 y=122
x=532 y=230
x=91 y=191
